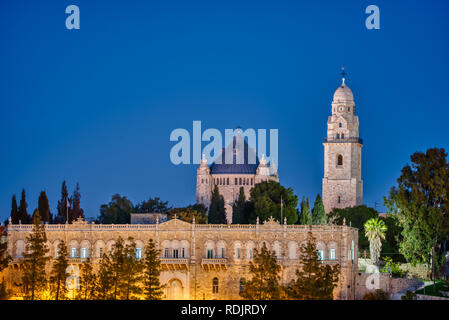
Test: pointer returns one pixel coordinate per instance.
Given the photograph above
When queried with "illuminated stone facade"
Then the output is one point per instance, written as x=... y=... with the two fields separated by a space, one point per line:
x=204 y=261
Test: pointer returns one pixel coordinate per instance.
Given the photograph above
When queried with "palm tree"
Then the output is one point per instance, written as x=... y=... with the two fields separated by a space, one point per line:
x=375 y=230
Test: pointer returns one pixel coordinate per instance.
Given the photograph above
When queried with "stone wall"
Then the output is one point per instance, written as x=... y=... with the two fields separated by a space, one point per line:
x=192 y=255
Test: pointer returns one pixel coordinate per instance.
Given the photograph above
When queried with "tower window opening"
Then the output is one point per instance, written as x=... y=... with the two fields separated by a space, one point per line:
x=215 y=285
x=339 y=160
x=339 y=199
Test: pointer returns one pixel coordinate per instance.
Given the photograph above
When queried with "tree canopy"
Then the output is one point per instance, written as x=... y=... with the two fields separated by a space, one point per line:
x=265 y=199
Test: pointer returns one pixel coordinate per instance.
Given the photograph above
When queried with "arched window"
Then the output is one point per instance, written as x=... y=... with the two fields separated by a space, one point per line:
x=338 y=136
x=339 y=160
x=339 y=199
x=236 y=181
x=339 y=124
x=227 y=181
x=251 y=181
x=247 y=181
x=242 y=284
x=342 y=135
x=215 y=285
x=240 y=181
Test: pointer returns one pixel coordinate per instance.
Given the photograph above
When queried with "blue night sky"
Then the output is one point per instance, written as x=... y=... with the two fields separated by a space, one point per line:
x=97 y=105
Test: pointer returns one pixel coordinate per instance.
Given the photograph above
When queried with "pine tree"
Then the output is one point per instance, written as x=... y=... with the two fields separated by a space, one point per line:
x=117 y=257
x=76 y=211
x=88 y=281
x=132 y=273
x=58 y=274
x=217 y=212
x=34 y=278
x=239 y=215
x=315 y=281
x=14 y=211
x=318 y=214
x=63 y=209
x=264 y=284
x=153 y=288
x=44 y=207
x=306 y=217
x=104 y=285
x=24 y=217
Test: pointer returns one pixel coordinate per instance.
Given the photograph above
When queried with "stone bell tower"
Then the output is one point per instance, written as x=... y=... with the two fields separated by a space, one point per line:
x=342 y=182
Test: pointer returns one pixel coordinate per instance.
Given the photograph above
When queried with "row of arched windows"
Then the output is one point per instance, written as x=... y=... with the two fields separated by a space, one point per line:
x=215 y=286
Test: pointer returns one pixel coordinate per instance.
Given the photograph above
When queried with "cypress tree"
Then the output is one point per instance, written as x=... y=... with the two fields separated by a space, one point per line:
x=306 y=217
x=152 y=271
x=44 y=207
x=58 y=274
x=63 y=210
x=217 y=212
x=76 y=210
x=239 y=209
x=24 y=217
x=34 y=260
x=318 y=214
x=14 y=211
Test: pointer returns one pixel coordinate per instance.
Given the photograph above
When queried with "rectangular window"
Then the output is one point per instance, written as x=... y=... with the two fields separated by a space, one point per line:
x=251 y=253
x=210 y=254
x=138 y=253
x=352 y=250
x=320 y=255
x=101 y=252
x=238 y=253
x=73 y=253
x=175 y=253
x=57 y=253
x=332 y=254
x=183 y=252
x=166 y=253
x=83 y=253
x=222 y=253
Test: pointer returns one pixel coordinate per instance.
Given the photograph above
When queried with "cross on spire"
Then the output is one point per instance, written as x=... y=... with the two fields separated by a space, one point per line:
x=343 y=73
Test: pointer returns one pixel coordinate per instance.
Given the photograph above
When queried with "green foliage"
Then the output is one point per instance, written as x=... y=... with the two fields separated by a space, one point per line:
x=393 y=267
x=318 y=214
x=265 y=202
x=152 y=269
x=104 y=285
x=264 y=284
x=117 y=211
x=44 y=207
x=24 y=217
x=239 y=209
x=375 y=230
x=152 y=205
x=306 y=217
x=63 y=209
x=356 y=217
x=88 y=281
x=76 y=211
x=409 y=295
x=378 y=294
x=58 y=274
x=197 y=211
x=315 y=281
x=131 y=274
x=421 y=203
x=5 y=258
x=217 y=212
x=34 y=278
x=14 y=211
